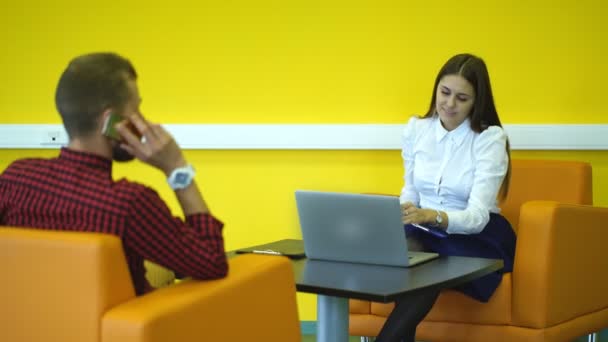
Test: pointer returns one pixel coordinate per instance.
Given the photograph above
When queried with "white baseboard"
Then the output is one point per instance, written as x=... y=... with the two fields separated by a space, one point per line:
x=316 y=136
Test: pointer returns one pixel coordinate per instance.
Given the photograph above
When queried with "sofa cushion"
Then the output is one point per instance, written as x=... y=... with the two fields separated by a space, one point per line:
x=356 y=306
x=453 y=306
x=382 y=309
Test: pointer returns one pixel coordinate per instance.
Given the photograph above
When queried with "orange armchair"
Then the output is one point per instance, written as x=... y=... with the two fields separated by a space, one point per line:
x=555 y=292
x=76 y=287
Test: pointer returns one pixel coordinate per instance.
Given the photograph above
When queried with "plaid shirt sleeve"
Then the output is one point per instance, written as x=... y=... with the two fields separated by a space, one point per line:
x=2 y=198
x=193 y=248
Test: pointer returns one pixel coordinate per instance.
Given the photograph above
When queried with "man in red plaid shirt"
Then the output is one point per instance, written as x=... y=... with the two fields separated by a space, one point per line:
x=98 y=99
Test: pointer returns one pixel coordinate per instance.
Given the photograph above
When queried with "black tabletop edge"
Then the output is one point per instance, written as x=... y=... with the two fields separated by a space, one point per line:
x=321 y=290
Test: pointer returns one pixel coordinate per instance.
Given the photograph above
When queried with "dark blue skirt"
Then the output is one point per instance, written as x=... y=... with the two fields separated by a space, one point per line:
x=495 y=241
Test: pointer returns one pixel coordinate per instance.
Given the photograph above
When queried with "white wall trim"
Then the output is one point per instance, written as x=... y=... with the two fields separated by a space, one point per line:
x=316 y=136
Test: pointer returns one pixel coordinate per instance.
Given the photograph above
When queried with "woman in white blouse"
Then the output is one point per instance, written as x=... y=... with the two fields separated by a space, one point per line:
x=456 y=160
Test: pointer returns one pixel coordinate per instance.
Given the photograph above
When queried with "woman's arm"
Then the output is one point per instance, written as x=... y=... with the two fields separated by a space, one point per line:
x=409 y=192
x=491 y=164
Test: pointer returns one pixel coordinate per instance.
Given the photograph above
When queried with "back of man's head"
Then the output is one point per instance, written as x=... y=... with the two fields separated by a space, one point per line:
x=89 y=85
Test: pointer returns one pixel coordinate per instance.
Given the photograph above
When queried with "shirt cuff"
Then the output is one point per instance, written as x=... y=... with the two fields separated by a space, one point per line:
x=405 y=198
x=456 y=221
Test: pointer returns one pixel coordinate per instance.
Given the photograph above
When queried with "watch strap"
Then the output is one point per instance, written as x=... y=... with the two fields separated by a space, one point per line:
x=438 y=219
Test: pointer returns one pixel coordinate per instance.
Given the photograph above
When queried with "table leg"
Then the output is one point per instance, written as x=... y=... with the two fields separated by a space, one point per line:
x=332 y=319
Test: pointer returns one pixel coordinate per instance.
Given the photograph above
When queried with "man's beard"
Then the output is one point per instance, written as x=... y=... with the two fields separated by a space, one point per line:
x=120 y=154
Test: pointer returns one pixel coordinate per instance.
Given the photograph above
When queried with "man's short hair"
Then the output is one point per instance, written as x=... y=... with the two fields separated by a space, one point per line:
x=89 y=85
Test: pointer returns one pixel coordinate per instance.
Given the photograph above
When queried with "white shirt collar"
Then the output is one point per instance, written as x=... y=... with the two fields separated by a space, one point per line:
x=457 y=135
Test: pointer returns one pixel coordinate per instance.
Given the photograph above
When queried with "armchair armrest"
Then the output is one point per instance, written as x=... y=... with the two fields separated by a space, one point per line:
x=255 y=302
x=560 y=266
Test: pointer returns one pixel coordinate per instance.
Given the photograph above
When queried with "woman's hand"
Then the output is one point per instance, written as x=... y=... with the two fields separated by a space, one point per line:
x=412 y=214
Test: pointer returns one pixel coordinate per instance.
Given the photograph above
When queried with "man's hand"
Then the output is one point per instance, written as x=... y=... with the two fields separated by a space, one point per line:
x=158 y=148
x=155 y=147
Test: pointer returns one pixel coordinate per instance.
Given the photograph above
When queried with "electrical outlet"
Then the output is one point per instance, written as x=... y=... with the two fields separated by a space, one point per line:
x=54 y=137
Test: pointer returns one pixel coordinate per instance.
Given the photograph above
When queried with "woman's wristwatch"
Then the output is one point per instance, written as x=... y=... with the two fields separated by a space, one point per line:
x=438 y=219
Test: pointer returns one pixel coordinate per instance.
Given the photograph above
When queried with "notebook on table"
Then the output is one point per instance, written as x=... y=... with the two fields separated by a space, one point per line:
x=355 y=228
x=294 y=249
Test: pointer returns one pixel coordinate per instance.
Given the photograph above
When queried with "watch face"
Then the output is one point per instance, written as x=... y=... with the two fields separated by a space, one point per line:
x=181 y=178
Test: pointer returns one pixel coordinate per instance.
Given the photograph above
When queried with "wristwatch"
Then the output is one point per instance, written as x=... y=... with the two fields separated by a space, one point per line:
x=181 y=177
x=438 y=218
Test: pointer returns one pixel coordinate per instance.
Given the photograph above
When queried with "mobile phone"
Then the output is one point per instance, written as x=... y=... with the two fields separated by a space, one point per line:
x=109 y=126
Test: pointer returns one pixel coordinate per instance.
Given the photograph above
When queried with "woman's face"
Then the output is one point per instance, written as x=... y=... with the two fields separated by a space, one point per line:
x=455 y=98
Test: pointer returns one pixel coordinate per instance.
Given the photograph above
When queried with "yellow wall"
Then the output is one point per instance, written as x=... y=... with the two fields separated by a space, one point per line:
x=309 y=61
x=268 y=61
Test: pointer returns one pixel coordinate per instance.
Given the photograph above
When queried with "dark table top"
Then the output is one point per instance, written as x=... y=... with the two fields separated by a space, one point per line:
x=386 y=283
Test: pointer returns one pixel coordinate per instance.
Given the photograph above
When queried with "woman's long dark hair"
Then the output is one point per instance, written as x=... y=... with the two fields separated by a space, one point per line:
x=483 y=114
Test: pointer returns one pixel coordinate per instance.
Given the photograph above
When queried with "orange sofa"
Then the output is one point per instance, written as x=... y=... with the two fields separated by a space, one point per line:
x=556 y=291
x=76 y=287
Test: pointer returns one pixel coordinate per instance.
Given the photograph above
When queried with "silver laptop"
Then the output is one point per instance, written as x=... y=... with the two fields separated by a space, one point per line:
x=355 y=228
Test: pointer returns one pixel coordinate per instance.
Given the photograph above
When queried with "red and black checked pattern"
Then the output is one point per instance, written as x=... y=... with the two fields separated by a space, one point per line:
x=76 y=192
